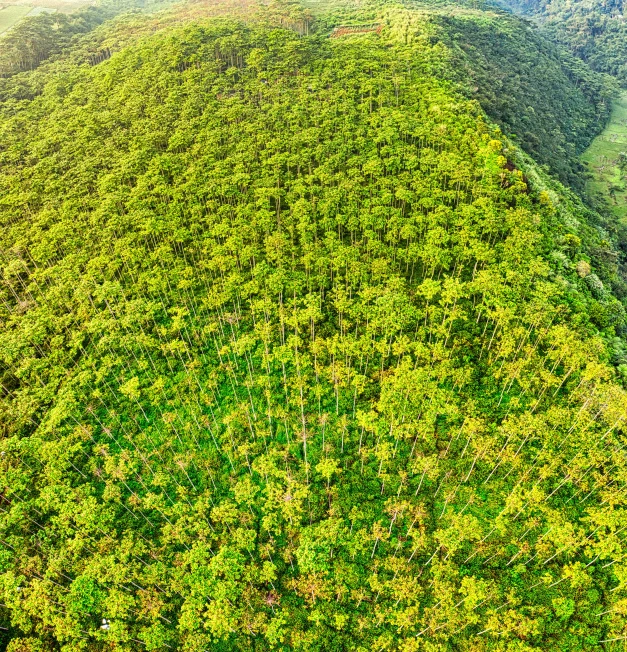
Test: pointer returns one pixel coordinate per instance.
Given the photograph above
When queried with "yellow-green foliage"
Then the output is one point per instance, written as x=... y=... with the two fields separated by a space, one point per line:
x=294 y=357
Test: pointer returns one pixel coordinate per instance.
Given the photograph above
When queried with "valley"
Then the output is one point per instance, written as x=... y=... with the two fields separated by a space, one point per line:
x=606 y=160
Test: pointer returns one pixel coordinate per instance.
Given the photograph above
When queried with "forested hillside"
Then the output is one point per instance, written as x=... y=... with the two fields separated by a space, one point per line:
x=551 y=103
x=40 y=37
x=594 y=30
x=548 y=100
x=298 y=350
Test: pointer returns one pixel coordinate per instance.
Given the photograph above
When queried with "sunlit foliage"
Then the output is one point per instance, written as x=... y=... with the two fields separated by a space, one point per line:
x=298 y=352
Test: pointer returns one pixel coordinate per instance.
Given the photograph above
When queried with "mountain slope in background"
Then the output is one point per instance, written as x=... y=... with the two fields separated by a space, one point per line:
x=594 y=30
x=552 y=103
x=45 y=35
x=298 y=351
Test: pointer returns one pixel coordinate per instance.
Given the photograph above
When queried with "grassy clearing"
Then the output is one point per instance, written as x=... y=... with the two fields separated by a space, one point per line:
x=60 y=6
x=11 y=14
x=35 y=11
x=603 y=160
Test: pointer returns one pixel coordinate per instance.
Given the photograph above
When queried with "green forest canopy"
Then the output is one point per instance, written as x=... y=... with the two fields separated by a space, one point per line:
x=548 y=100
x=552 y=103
x=594 y=30
x=299 y=351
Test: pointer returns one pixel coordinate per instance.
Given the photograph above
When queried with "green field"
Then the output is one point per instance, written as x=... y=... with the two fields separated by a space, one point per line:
x=603 y=160
x=12 y=14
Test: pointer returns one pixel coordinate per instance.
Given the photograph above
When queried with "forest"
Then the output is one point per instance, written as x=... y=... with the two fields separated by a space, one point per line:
x=311 y=337
x=594 y=30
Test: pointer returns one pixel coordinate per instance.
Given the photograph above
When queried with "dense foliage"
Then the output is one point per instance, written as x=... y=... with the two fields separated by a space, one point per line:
x=550 y=101
x=38 y=38
x=297 y=351
x=594 y=30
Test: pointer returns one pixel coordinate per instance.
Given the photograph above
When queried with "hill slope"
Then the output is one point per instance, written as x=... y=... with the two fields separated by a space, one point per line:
x=551 y=102
x=43 y=35
x=298 y=352
x=594 y=31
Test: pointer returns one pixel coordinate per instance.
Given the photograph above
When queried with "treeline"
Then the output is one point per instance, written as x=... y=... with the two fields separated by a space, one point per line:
x=68 y=40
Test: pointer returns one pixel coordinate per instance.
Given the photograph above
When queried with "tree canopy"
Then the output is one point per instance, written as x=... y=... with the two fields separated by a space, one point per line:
x=594 y=30
x=299 y=351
